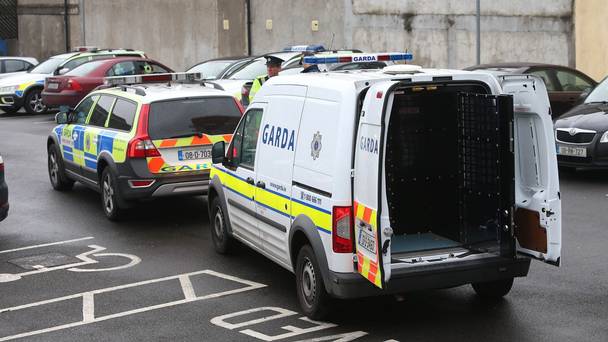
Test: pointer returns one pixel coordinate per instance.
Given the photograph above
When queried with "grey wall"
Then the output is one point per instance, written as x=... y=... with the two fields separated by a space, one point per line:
x=440 y=33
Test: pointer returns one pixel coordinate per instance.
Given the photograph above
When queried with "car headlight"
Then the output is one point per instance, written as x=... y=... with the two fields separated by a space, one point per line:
x=9 y=89
x=604 y=138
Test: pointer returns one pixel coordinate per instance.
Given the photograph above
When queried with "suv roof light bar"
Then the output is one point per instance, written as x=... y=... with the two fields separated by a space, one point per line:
x=358 y=57
x=152 y=78
x=303 y=48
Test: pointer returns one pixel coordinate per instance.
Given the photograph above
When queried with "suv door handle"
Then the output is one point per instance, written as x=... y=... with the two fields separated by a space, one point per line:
x=250 y=180
x=261 y=185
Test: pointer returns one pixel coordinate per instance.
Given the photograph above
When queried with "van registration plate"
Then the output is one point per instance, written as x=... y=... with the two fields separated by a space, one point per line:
x=367 y=240
x=194 y=154
x=572 y=151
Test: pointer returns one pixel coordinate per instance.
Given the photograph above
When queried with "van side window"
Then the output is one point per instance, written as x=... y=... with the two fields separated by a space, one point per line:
x=243 y=147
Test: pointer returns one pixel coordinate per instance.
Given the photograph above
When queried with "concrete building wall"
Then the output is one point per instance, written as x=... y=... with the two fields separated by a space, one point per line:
x=440 y=33
x=591 y=22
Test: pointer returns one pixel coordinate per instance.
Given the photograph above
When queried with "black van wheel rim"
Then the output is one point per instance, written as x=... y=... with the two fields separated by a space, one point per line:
x=218 y=224
x=309 y=284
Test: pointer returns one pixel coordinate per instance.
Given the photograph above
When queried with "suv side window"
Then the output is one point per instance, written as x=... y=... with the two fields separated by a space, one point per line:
x=571 y=81
x=79 y=115
x=101 y=110
x=244 y=143
x=122 y=115
x=122 y=69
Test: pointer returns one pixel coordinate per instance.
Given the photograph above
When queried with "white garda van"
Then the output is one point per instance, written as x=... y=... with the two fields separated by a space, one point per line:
x=378 y=182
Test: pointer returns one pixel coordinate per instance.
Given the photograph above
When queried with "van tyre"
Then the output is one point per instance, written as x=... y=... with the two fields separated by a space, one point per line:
x=314 y=299
x=57 y=175
x=111 y=200
x=33 y=102
x=493 y=290
x=222 y=241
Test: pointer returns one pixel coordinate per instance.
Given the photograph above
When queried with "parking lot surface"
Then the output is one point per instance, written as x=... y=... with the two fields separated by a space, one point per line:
x=69 y=274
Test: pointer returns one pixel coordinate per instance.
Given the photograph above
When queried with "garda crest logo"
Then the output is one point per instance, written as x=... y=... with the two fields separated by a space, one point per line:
x=315 y=146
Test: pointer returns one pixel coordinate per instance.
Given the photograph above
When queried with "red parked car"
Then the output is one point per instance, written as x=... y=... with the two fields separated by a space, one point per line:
x=69 y=89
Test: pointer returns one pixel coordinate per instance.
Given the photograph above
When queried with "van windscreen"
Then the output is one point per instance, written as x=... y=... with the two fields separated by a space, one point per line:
x=188 y=117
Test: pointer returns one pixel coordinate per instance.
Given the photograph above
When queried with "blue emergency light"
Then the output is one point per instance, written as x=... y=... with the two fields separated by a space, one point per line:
x=304 y=48
x=359 y=57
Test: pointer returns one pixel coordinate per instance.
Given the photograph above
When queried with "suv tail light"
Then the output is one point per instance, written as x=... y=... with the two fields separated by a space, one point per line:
x=73 y=85
x=141 y=146
x=342 y=229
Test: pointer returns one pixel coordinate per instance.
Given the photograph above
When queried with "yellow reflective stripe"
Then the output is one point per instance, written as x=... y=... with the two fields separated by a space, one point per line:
x=78 y=156
x=279 y=203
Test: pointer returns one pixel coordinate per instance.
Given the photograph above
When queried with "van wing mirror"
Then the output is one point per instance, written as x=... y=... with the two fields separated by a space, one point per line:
x=218 y=152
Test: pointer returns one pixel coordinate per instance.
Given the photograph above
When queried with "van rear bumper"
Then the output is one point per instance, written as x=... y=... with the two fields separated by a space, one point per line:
x=353 y=285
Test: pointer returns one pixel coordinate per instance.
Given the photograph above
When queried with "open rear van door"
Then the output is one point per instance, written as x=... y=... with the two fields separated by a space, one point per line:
x=538 y=205
x=372 y=231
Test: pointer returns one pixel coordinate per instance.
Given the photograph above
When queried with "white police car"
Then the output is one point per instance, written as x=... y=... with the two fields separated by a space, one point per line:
x=379 y=182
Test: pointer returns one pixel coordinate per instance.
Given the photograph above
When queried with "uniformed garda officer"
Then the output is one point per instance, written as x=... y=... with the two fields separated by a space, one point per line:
x=273 y=66
x=308 y=67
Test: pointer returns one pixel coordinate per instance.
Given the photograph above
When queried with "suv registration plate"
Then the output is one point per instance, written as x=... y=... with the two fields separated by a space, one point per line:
x=367 y=240
x=194 y=154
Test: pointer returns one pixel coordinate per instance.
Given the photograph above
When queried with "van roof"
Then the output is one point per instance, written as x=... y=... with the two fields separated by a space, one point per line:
x=359 y=78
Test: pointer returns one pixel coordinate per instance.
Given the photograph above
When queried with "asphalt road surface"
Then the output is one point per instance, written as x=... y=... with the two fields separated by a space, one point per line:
x=69 y=274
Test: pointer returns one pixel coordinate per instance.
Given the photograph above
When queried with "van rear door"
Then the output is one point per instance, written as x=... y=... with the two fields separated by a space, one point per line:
x=538 y=205
x=372 y=231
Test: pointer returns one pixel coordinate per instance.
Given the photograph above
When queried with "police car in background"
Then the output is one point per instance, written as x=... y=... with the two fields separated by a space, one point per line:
x=378 y=182
x=141 y=139
x=24 y=90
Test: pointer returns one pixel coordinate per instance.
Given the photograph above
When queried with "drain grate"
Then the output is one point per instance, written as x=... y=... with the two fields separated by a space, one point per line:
x=45 y=260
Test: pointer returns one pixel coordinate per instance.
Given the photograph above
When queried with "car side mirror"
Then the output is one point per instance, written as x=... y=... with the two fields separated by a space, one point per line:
x=61 y=118
x=61 y=71
x=218 y=152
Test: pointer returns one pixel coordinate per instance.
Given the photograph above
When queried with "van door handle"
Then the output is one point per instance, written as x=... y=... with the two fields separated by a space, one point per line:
x=250 y=180
x=261 y=185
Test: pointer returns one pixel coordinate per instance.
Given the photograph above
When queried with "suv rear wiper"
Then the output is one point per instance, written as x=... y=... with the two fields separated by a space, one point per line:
x=185 y=135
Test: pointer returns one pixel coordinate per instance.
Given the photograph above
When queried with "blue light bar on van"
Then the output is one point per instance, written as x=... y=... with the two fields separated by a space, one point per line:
x=359 y=57
x=302 y=48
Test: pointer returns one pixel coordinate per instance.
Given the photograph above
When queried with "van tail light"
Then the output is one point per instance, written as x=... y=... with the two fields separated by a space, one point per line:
x=342 y=229
x=141 y=146
x=73 y=85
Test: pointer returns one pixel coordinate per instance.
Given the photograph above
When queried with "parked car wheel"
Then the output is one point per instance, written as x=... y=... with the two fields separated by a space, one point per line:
x=110 y=196
x=314 y=299
x=493 y=289
x=222 y=241
x=33 y=102
x=59 y=180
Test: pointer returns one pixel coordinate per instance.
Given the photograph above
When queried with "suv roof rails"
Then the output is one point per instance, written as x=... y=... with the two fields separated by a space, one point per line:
x=138 y=90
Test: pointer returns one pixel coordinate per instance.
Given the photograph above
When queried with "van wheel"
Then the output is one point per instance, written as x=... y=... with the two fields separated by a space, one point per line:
x=222 y=241
x=314 y=300
x=59 y=180
x=493 y=289
x=33 y=102
x=110 y=196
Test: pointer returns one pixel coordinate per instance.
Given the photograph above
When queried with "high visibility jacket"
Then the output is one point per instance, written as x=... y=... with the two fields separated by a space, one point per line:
x=257 y=84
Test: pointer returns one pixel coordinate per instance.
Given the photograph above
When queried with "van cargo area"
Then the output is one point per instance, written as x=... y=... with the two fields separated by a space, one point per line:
x=449 y=172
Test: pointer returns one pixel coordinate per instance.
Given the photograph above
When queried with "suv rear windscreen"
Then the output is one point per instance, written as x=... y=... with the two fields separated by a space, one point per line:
x=188 y=117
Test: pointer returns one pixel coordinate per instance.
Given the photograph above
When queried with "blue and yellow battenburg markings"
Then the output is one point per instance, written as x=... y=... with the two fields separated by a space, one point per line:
x=23 y=86
x=279 y=203
x=87 y=144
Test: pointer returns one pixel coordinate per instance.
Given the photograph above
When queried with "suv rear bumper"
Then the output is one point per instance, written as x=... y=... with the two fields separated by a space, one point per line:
x=353 y=285
x=165 y=186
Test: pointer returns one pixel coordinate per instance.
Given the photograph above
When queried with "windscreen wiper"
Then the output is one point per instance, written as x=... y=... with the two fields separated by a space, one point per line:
x=185 y=135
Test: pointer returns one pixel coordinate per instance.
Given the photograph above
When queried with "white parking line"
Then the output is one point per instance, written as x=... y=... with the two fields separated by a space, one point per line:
x=88 y=300
x=45 y=245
